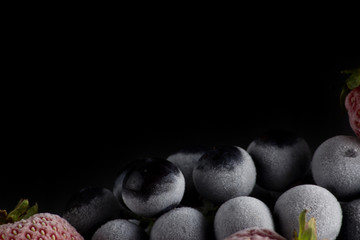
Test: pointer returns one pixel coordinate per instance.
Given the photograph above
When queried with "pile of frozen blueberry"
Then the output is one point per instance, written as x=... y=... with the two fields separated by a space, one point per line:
x=200 y=193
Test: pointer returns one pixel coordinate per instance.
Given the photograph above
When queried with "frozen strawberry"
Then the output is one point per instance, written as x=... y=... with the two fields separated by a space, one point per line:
x=255 y=234
x=350 y=99
x=19 y=225
x=352 y=104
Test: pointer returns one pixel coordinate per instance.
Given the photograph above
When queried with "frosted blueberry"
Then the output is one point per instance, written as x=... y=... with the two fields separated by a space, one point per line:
x=350 y=229
x=91 y=207
x=186 y=159
x=152 y=186
x=336 y=166
x=120 y=229
x=183 y=223
x=320 y=203
x=281 y=159
x=224 y=173
x=241 y=213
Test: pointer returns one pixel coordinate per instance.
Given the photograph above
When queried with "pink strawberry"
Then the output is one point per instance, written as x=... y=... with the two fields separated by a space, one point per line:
x=350 y=98
x=41 y=226
x=352 y=104
x=255 y=234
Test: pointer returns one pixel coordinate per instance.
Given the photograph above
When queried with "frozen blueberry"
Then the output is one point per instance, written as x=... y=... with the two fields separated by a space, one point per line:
x=224 y=173
x=350 y=229
x=241 y=213
x=281 y=159
x=186 y=159
x=120 y=229
x=91 y=207
x=118 y=187
x=182 y=223
x=320 y=203
x=336 y=166
x=152 y=186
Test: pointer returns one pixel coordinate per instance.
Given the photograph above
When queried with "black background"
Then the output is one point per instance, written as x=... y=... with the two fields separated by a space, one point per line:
x=84 y=100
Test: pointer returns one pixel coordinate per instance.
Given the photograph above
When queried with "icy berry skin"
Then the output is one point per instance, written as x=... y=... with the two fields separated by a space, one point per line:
x=42 y=226
x=352 y=105
x=152 y=187
x=186 y=159
x=241 y=213
x=336 y=166
x=350 y=229
x=320 y=203
x=281 y=158
x=91 y=207
x=182 y=223
x=120 y=229
x=224 y=173
x=255 y=234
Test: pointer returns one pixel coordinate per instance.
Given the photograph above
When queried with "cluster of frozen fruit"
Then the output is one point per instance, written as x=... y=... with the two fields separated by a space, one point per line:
x=220 y=193
x=200 y=193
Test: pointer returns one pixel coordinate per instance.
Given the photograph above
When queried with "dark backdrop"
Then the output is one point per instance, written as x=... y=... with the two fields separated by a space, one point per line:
x=90 y=104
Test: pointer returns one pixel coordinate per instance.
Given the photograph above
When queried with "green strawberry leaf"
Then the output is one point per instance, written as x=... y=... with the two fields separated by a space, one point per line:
x=307 y=235
x=307 y=230
x=21 y=211
x=302 y=222
x=353 y=80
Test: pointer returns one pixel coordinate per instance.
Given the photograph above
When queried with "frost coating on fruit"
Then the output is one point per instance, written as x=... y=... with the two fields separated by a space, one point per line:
x=44 y=226
x=320 y=203
x=90 y=208
x=352 y=105
x=255 y=234
x=336 y=166
x=182 y=223
x=241 y=213
x=281 y=158
x=120 y=229
x=153 y=187
x=350 y=229
x=224 y=173
x=186 y=159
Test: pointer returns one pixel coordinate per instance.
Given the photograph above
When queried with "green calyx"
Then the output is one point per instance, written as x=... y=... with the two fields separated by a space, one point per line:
x=21 y=211
x=307 y=230
x=353 y=81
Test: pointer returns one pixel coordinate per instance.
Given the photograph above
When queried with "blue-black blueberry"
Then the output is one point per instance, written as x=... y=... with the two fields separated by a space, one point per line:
x=336 y=166
x=282 y=159
x=120 y=229
x=183 y=223
x=151 y=186
x=241 y=213
x=91 y=207
x=320 y=203
x=223 y=173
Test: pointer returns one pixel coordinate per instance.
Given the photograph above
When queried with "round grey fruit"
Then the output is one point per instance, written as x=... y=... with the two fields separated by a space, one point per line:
x=241 y=213
x=120 y=229
x=281 y=159
x=224 y=173
x=182 y=223
x=336 y=166
x=320 y=203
